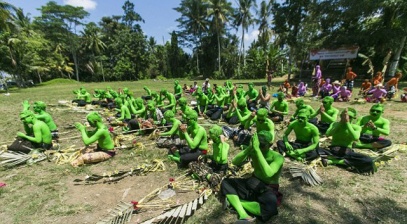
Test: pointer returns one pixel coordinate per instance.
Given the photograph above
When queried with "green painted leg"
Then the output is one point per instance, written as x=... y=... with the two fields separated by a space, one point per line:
x=252 y=207
x=336 y=161
x=237 y=205
x=174 y=158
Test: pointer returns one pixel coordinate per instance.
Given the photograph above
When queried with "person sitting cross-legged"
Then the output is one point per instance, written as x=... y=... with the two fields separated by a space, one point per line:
x=340 y=152
x=41 y=114
x=37 y=136
x=374 y=125
x=173 y=137
x=258 y=195
x=306 y=142
x=196 y=138
x=279 y=108
x=328 y=114
x=101 y=135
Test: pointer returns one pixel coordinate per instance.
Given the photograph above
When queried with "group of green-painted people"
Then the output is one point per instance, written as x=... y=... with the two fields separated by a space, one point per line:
x=255 y=197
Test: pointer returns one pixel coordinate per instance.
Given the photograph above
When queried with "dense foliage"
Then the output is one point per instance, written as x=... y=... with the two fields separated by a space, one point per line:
x=58 y=44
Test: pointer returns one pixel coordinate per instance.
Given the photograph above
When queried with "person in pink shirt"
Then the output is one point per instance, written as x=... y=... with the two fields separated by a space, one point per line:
x=326 y=88
x=378 y=94
x=343 y=95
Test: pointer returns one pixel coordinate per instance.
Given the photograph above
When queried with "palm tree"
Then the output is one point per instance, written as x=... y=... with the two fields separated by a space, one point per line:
x=219 y=12
x=6 y=15
x=244 y=18
x=92 y=41
x=263 y=20
x=193 y=22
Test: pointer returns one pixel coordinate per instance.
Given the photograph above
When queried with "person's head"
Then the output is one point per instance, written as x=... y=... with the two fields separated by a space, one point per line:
x=352 y=114
x=327 y=101
x=176 y=82
x=241 y=104
x=366 y=80
x=218 y=90
x=280 y=96
x=398 y=75
x=150 y=105
x=206 y=80
x=379 y=86
x=376 y=110
x=215 y=132
x=195 y=83
x=301 y=84
x=343 y=88
x=83 y=90
x=108 y=88
x=118 y=101
x=303 y=116
x=164 y=92
x=154 y=94
x=139 y=102
x=145 y=87
x=182 y=102
x=349 y=69
x=378 y=74
x=27 y=116
x=317 y=67
x=264 y=89
x=265 y=139
x=328 y=81
x=192 y=117
x=299 y=103
x=93 y=118
x=251 y=85
x=39 y=106
x=336 y=83
x=239 y=93
x=262 y=115
x=126 y=90
x=168 y=115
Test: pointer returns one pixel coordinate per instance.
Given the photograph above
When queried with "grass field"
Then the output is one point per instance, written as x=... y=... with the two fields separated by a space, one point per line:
x=46 y=193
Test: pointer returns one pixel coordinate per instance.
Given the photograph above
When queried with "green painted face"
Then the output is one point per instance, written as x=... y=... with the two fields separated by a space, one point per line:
x=27 y=116
x=39 y=106
x=168 y=115
x=262 y=115
x=151 y=106
x=302 y=117
x=376 y=111
x=93 y=118
x=299 y=103
x=251 y=85
x=182 y=102
x=214 y=133
x=192 y=118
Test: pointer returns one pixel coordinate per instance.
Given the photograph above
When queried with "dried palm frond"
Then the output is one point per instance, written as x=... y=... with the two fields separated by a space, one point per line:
x=11 y=158
x=121 y=214
x=307 y=173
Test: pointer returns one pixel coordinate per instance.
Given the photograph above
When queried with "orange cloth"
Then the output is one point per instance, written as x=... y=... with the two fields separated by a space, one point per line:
x=366 y=85
x=287 y=85
x=350 y=75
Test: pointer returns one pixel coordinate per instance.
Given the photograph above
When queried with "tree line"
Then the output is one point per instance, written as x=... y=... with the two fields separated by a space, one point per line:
x=59 y=44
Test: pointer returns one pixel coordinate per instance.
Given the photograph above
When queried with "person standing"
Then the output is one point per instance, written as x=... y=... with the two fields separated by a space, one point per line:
x=350 y=76
x=317 y=81
x=269 y=74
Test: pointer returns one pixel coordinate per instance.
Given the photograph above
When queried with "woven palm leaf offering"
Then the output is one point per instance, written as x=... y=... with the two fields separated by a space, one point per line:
x=307 y=172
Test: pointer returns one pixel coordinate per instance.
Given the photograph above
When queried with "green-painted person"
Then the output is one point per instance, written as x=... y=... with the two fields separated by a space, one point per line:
x=148 y=91
x=340 y=152
x=157 y=98
x=124 y=112
x=197 y=141
x=41 y=114
x=237 y=113
x=252 y=95
x=257 y=195
x=82 y=98
x=100 y=135
x=171 y=101
x=373 y=126
x=175 y=124
x=216 y=112
x=141 y=109
x=202 y=102
x=154 y=114
x=37 y=134
x=279 y=108
x=300 y=104
x=173 y=138
x=177 y=90
x=263 y=123
x=307 y=139
x=328 y=113
x=218 y=165
x=183 y=107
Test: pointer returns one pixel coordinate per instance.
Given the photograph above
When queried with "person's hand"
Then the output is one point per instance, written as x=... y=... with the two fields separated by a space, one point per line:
x=345 y=116
x=26 y=105
x=234 y=91
x=79 y=126
x=289 y=147
x=20 y=134
x=222 y=138
x=255 y=142
x=261 y=91
x=321 y=109
x=253 y=114
x=151 y=120
x=183 y=128
x=179 y=112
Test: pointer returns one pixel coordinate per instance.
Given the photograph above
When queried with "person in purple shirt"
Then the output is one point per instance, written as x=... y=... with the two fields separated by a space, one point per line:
x=378 y=94
x=302 y=89
x=326 y=88
x=336 y=87
x=343 y=95
x=317 y=81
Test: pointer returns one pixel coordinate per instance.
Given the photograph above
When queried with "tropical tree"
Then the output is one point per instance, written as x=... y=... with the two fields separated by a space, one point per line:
x=219 y=12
